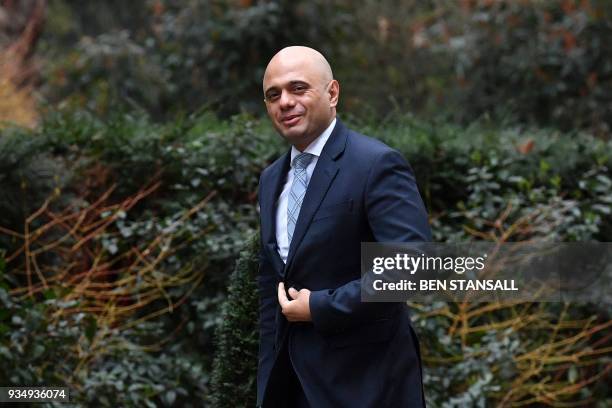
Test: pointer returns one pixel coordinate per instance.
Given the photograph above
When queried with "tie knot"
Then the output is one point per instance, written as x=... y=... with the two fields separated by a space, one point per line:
x=302 y=160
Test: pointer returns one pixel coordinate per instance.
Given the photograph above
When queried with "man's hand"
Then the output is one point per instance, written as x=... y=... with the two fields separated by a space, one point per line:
x=298 y=309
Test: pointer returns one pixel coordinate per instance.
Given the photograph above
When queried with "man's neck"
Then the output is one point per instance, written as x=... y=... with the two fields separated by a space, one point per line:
x=304 y=145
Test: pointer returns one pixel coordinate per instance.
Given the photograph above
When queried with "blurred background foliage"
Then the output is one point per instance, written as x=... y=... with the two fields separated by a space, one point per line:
x=132 y=139
x=541 y=62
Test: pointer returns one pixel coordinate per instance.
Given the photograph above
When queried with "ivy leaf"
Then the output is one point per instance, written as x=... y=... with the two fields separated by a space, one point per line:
x=170 y=397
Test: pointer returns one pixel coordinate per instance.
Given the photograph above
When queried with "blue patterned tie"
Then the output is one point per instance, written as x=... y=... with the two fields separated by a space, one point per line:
x=298 y=189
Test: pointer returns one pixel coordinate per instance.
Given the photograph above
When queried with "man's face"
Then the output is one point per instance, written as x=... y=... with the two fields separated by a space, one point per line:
x=298 y=100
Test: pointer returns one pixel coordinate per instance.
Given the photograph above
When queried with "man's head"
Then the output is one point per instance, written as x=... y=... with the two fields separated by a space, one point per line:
x=301 y=94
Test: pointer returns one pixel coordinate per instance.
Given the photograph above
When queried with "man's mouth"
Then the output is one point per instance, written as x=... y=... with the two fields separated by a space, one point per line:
x=291 y=120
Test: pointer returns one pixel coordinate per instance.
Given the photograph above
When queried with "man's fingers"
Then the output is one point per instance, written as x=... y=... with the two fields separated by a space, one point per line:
x=296 y=310
x=282 y=296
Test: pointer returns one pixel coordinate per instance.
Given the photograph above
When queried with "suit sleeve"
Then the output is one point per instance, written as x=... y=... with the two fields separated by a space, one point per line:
x=266 y=283
x=395 y=213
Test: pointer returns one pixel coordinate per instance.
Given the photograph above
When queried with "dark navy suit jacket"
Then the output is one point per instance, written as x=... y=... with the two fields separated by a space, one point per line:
x=352 y=354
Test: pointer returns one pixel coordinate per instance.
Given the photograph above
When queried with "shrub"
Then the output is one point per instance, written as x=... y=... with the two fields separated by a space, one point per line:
x=232 y=381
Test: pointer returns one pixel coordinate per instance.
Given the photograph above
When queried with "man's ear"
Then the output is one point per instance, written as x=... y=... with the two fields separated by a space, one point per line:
x=334 y=93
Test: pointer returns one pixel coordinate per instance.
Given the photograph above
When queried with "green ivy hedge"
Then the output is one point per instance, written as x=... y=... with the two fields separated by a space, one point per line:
x=469 y=177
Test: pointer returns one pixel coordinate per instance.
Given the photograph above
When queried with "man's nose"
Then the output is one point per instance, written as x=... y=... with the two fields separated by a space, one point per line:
x=287 y=100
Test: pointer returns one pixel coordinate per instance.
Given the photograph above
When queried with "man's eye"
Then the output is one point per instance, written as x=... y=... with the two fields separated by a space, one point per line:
x=272 y=97
x=299 y=88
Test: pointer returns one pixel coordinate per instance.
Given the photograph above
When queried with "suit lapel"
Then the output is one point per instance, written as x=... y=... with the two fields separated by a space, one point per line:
x=322 y=178
x=273 y=188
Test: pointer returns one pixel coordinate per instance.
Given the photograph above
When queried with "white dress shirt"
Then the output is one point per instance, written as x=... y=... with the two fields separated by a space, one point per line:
x=314 y=148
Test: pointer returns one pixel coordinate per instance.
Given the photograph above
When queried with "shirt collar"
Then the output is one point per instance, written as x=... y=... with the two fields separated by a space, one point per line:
x=316 y=146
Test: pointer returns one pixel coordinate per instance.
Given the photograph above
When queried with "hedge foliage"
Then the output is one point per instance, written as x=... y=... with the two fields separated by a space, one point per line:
x=237 y=337
x=158 y=260
x=158 y=214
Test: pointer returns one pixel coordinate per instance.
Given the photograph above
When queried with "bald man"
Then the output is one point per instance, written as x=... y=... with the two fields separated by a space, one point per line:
x=320 y=346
